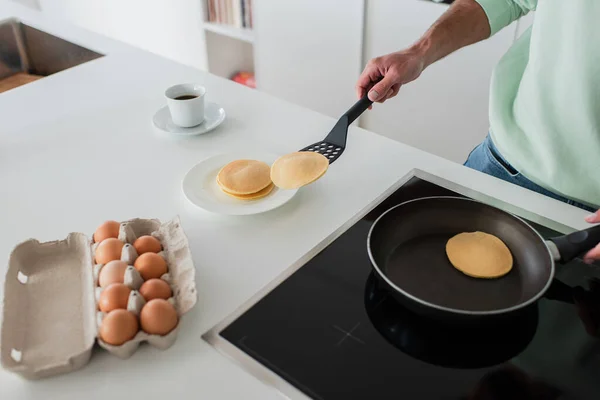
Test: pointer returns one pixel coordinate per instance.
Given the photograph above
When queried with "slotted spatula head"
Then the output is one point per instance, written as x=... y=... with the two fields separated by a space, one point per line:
x=334 y=144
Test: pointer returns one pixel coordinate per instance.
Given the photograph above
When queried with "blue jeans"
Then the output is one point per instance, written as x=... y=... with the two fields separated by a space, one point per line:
x=486 y=158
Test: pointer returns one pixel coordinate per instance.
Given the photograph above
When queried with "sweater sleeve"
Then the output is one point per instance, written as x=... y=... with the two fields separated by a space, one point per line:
x=502 y=13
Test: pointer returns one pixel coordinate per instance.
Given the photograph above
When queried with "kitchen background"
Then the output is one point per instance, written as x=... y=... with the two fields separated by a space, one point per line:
x=310 y=52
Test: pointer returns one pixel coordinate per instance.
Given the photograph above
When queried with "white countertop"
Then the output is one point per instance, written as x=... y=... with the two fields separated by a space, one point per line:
x=78 y=148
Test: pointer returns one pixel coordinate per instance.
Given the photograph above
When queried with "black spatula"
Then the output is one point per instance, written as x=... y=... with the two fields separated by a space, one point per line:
x=334 y=144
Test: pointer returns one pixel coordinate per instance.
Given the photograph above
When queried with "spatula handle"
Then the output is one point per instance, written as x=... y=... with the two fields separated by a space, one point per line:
x=358 y=108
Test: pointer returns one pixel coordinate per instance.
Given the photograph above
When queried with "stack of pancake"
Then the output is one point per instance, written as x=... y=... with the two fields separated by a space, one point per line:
x=252 y=179
x=246 y=179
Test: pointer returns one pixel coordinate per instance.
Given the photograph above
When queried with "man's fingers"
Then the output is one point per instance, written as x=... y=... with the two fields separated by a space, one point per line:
x=387 y=95
x=395 y=90
x=593 y=254
x=593 y=218
x=365 y=82
x=378 y=92
x=360 y=91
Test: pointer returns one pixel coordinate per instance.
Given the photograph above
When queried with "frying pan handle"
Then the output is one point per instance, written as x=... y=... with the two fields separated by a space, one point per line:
x=571 y=245
x=358 y=108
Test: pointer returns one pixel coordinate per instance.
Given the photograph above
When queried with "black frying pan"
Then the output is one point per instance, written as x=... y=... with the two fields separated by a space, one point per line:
x=407 y=244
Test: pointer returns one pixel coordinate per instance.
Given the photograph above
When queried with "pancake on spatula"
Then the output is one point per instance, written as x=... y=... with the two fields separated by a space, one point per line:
x=244 y=177
x=254 y=196
x=294 y=170
x=479 y=255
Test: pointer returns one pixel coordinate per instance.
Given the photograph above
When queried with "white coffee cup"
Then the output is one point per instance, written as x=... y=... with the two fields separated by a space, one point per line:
x=186 y=104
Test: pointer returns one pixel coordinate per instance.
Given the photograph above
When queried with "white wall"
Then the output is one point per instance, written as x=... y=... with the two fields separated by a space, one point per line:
x=171 y=28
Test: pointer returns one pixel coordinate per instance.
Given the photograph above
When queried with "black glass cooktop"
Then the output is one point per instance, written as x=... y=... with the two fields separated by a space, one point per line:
x=332 y=332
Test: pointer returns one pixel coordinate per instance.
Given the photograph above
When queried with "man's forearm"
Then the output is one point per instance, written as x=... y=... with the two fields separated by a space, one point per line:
x=464 y=23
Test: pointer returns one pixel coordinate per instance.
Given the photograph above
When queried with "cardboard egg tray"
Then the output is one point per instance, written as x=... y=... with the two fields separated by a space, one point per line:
x=51 y=318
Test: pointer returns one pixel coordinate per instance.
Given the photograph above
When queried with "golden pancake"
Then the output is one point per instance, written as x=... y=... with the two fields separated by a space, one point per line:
x=254 y=196
x=241 y=177
x=479 y=255
x=298 y=169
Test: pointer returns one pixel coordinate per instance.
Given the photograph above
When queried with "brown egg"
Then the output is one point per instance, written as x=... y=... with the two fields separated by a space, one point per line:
x=109 y=250
x=155 y=289
x=114 y=296
x=158 y=317
x=118 y=327
x=109 y=229
x=147 y=244
x=150 y=265
x=112 y=272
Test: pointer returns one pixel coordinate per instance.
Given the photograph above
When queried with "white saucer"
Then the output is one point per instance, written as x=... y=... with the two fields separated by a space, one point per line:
x=201 y=189
x=214 y=115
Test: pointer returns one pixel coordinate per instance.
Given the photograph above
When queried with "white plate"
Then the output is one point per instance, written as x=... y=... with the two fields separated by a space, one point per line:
x=214 y=115
x=201 y=189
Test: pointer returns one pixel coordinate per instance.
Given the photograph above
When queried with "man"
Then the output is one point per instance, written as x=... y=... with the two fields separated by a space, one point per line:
x=544 y=95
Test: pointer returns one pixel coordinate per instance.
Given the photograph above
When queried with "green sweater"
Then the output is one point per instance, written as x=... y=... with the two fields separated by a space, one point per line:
x=545 y=95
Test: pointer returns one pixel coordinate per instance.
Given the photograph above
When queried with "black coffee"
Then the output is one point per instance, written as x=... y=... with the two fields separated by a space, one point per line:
x=185 y=97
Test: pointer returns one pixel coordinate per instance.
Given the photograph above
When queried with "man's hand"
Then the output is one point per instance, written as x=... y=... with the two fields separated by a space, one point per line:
x=462 y=24
x=593 y=254
x=383 y=76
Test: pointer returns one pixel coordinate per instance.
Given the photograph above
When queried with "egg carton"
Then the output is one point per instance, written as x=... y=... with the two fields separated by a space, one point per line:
x=51 y=320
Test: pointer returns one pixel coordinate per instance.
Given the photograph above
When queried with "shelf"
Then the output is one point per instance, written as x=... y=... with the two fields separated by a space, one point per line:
x=243 y=34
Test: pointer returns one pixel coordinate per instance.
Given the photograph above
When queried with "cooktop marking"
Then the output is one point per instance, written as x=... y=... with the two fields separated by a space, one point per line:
x=347 y=334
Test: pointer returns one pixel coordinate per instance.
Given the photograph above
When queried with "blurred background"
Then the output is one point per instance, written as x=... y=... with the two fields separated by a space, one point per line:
x=310 y=52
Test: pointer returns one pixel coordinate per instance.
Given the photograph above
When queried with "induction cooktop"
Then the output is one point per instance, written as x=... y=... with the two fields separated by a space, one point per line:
x=326 y=329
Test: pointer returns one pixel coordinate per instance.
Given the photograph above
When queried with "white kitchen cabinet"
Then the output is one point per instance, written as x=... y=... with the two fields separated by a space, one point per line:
x=445 y=111
x=309 y=52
